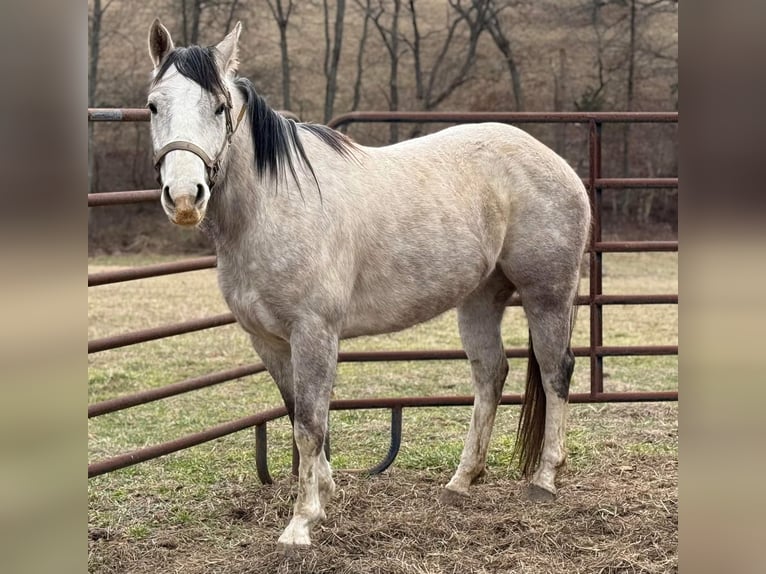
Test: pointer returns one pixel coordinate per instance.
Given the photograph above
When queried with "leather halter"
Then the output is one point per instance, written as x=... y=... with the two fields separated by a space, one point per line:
x=212 y=165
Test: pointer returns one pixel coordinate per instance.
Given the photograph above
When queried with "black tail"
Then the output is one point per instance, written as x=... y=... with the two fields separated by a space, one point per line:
x=531 y=430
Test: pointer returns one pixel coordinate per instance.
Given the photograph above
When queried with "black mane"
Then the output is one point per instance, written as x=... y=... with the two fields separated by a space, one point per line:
x=276 y=140
x=196 y=63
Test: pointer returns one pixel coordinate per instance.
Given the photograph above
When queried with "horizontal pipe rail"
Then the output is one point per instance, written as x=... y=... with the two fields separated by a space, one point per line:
x=151 y=395
x=508 y=399
x=634 y=246
x=123 y=197
x=210 y=262
x=154 y=333
x=142 y=115
x=633 y=182
x=156 y=451
x=622 y=299
x=118 y=115
x=666 y=299
x=503 y=117
x=511 y=353
x=156 y=270
x=149 y=195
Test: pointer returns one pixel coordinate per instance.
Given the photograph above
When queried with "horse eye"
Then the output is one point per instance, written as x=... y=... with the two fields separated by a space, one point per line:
x=152 y=107
x=220 y=109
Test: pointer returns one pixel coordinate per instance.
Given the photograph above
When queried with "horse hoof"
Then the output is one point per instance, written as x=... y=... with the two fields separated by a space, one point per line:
x=539 y=494
x=294 y=538
x=293 y=550
x=452 y=497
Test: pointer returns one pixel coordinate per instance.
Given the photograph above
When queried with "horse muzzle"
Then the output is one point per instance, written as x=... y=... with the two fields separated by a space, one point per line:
x=186 y=210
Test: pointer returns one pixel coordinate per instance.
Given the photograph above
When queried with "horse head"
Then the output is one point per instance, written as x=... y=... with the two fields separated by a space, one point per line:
x=191 y=126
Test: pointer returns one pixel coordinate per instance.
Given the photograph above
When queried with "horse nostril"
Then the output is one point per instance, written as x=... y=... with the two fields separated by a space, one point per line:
x=200 y=193
x=166 y=196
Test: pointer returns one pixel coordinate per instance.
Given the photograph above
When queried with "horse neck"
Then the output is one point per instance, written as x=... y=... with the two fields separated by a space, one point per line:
x=237 y=201
x=246 y=205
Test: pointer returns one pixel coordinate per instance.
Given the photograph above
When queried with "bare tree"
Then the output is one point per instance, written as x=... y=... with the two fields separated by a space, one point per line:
x=233 y=6
x=559 y=97
x=197 y=15
x=622 y=54
x=366 y=9
x=500 y=37
x=191 y=11
x=332 y=55
x=593 y=97
x=390 y=35
x=454 y=61
x=648 y=9
x=281 y=13
x=630 y=89
x=96 y=18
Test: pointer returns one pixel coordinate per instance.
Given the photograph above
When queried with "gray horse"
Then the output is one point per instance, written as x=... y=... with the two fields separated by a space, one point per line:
x=319 y=239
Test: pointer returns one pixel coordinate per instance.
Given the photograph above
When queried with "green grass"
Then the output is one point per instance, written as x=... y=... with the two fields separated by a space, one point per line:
x=186 y=487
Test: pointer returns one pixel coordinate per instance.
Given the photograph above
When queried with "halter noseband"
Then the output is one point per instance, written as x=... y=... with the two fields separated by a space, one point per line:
x=212 y=165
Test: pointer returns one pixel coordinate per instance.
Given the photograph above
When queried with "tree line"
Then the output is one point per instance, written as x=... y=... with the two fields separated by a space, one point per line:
x=320 y=58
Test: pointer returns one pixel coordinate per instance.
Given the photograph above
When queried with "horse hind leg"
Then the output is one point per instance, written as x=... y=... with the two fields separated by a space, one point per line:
x=479 y=318
x=551 y=366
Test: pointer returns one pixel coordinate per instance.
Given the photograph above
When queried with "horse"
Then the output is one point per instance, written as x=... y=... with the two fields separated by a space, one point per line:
x=320 y=238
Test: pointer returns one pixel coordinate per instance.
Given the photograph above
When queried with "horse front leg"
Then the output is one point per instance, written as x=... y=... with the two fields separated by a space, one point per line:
x=275 y=355
x=314 y=360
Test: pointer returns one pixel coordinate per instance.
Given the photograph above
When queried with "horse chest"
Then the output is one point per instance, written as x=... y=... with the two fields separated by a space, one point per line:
x=252 y=306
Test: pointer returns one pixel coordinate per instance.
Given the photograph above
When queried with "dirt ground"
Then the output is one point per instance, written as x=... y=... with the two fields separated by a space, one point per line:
x=612 y=519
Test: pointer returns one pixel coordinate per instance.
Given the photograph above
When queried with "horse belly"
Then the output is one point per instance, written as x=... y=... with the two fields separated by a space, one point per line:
x=385 y=301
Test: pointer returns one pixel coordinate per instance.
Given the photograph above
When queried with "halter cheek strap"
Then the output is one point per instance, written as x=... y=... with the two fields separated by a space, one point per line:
x=212 y=165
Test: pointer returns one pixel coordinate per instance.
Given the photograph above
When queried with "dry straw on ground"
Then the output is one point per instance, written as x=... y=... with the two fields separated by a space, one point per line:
x=608 y=519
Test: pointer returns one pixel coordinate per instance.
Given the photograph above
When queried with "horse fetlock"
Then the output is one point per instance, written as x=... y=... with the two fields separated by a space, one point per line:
x=478 y=476
x=326 y=491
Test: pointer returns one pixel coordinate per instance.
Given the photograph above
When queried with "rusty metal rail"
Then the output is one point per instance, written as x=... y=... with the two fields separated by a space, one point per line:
x=123 y=197
x=150 y=195
x=395 y=404
x=595 y=299
x=151 y=395
x=154 y=333
x=503 y=117
x=107 y=277
x=143 y=115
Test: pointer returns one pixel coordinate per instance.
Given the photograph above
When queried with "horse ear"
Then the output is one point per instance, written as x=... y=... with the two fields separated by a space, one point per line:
x=227 y=51
x=160 y=42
